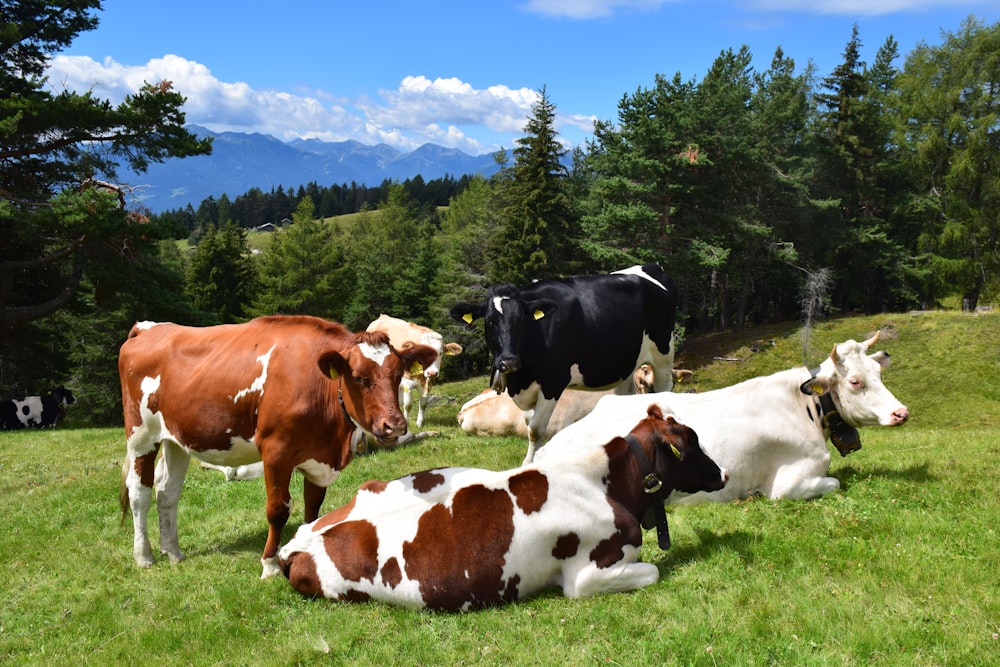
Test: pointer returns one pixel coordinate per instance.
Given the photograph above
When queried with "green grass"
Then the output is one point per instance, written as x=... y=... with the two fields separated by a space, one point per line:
x=901 y=566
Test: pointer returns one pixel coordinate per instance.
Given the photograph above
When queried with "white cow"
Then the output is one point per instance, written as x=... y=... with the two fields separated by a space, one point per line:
x=403 y=334
x=769 y=432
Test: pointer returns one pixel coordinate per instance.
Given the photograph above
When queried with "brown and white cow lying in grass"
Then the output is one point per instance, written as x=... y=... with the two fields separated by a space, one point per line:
x=465 y=538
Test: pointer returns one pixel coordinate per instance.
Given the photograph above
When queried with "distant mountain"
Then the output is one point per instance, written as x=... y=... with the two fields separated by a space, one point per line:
x=242 y=161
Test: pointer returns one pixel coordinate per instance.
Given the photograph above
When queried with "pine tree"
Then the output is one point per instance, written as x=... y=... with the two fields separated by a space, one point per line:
x=536 y=234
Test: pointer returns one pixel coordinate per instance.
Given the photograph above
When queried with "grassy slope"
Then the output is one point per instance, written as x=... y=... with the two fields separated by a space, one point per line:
x=898 y=567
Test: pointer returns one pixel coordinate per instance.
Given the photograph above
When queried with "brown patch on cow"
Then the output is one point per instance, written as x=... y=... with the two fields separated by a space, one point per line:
x=566 y=546
x=354 y=595
x=426 y=480
x=336 y=516
x=374 y=486
x=510 y=593
x=300 y=569
x=611 y=549
x=530 y=489
x=353 y=548
x=457 y=555
x=391 y=574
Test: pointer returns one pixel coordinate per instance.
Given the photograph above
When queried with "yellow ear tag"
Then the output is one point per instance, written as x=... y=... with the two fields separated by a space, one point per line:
x=676 y=451
x=538 y=315
x=467 y=318
x=333 y=373
x=818 y=389
x=416 y=369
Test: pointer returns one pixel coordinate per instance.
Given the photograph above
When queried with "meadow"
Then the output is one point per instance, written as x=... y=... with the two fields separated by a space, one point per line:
x=901 y=566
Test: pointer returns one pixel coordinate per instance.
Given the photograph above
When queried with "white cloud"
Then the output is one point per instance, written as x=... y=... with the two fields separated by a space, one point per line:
x=445 y=111
x=589 y=9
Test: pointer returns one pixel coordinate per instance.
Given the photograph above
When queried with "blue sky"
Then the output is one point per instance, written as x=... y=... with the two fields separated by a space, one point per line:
x=460 y=73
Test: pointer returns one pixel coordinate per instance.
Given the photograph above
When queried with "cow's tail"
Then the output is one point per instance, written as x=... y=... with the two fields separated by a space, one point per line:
x=123 y=493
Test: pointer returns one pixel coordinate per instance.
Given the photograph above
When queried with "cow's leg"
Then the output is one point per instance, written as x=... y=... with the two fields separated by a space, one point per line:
x=803 y=480
x=279 y=505
x=538 y=422
x=406 y=389
x=312 y=500
x=422 y=397
x=170 y=473
x=622 y=576
x=138 y=481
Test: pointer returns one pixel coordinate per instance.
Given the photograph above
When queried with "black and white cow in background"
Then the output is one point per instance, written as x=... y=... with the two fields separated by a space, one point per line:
x=587 y=332
x=35 y=411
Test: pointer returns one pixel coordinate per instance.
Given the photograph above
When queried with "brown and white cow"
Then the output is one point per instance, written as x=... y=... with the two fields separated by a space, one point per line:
x=770 y=432
x=287 y=391
x=465 y=538
x=402 y=334
x=491 y=414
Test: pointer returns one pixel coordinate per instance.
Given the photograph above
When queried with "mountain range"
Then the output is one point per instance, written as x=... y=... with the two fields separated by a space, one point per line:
x=241 y=161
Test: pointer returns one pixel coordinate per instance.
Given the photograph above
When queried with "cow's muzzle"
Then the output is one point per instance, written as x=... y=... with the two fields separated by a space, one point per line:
x=498 y=381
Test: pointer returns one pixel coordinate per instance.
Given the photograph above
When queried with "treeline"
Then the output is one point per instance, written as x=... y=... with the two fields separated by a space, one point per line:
x=255 y=207
x=769 y=194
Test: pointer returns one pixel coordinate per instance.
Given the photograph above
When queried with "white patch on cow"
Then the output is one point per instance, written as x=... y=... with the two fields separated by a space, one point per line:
x=320 y=474
x=241 y=452
x=498 y=303
x=150 y=429
x=378 y=354
x=258 y=384
x=637 y=271
x=29 y=411
x=145 y=324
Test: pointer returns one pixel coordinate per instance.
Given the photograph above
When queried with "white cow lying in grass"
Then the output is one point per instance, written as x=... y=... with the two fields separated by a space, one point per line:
x=769 y=432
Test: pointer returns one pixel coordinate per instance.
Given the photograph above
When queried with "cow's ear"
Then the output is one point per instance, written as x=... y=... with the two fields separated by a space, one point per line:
x=451 y=349
x=882 y=358
x=542 y=308
x=817 y=385
x=333 y=364
x=466 y=312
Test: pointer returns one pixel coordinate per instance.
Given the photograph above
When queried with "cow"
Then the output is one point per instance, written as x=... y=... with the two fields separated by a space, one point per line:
x=586 y=332
x=35 y=411
x=770 y=432
x=402 y=334
x=285 y=390
x=493 y=414
x=460 y=539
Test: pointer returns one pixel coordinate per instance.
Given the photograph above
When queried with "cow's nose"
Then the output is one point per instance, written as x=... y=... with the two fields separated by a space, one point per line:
x=725 y=475
x=900 y=416
x=509 y=365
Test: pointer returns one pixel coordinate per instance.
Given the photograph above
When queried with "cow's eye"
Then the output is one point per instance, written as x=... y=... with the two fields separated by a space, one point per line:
x=363 y=380
x=856 y=383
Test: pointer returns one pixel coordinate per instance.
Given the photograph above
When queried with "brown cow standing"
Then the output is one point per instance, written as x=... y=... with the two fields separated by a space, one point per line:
x=287 y=391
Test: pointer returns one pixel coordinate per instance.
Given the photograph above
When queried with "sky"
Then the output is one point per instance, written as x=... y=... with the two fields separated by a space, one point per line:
x=460 y=73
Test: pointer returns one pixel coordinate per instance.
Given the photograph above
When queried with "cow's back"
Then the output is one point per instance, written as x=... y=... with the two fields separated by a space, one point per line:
x=214 y=383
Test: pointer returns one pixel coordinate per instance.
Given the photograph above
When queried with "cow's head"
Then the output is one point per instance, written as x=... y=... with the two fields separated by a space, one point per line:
x=369 y=371
x=854 y=380
x=434 y=340
x=679 y=459
x=64 y=395
x=505 y=314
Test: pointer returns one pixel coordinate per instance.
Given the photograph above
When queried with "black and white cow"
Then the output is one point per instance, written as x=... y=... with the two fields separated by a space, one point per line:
x=587 y=332
x=35 y=411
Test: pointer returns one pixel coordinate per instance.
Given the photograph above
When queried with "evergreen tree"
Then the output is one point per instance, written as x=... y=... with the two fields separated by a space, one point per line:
x=304 y=271
x=949 y=109
x=392 y=253
x=537 y=233
x=222 y=275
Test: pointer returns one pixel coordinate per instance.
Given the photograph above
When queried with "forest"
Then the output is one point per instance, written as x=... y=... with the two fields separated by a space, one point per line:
x=769 y=193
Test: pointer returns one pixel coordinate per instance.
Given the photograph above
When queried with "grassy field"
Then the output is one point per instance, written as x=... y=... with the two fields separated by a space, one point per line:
x=901 y=566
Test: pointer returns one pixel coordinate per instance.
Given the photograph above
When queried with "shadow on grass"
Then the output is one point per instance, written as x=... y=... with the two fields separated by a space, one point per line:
x=850 y=475
x=709 y=542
